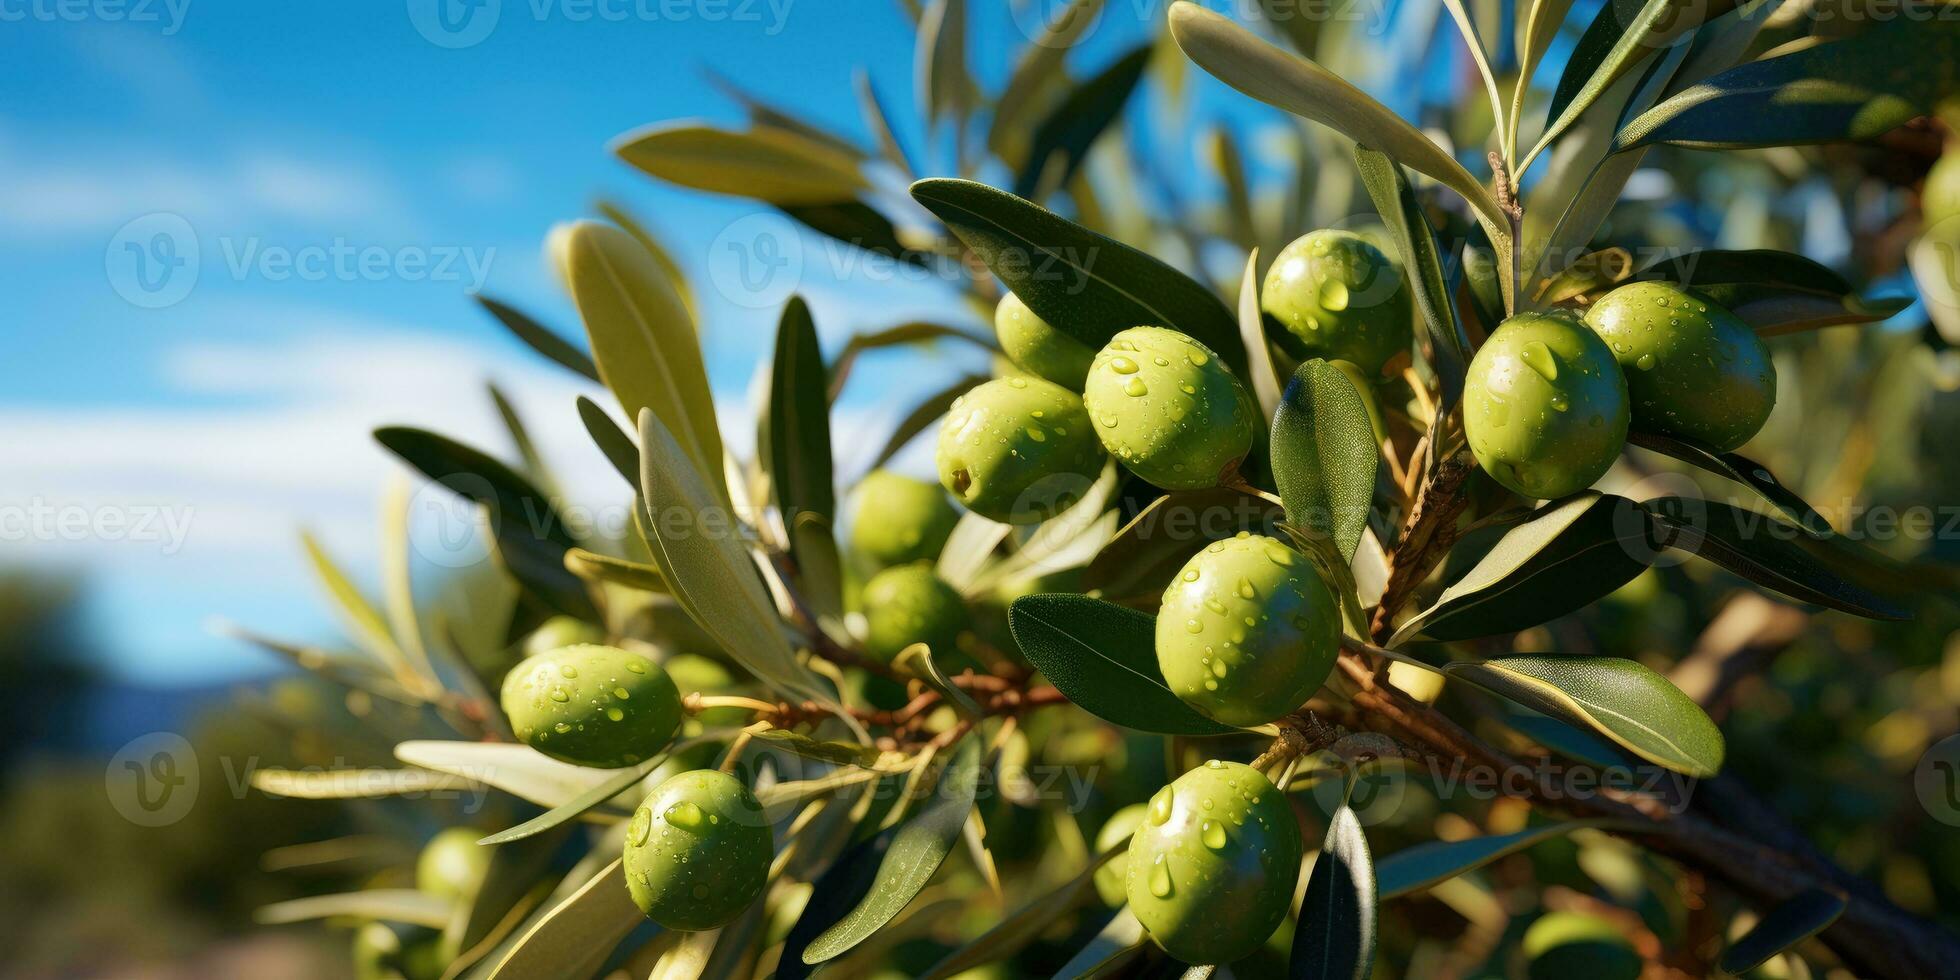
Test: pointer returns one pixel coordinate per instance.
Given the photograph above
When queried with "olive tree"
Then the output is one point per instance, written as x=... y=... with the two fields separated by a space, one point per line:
x=1247 y=553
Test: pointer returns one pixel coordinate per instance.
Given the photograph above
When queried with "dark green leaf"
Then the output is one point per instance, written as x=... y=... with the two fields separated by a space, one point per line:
x=916 y=852
x=540 y=338
x=1739 y=468
x=1324 y=454
x=873 y=109
x=1854 y=89
x=1103 y=657
x=1566 y=740
x=855 y=223
x=1433 y=280
x=836 y=893
x=1792 y=921
x=531 y=536
x=1085 y=284
x=1765 y=551
x=1335 y=939
x=1648 y=27
x=941 y=61
x=1569 y=554
x=1620 y=699
x=612 y=440
x=1062 y=140
x=1415 y=868
x=799 y=419
x=1762 y=266
x=1601 y=33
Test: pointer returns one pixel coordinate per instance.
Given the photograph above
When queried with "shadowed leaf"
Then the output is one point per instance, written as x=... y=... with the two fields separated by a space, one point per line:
x=1103 y=657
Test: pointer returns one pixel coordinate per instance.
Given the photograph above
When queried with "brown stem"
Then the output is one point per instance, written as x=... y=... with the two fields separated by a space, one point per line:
x=1424 y=537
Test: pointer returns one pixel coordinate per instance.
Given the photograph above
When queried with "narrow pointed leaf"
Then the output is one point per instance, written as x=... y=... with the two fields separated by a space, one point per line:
x=1792 y=921
x=1121 y=940
x=924 y=415
x=916 y=332
x=1415 y=868
x=1765 y=551
x=916 y=852
x=541 y=338
x=612 y=440
x=1433 y=281
x=1263 y=380
x=404 y=905
x=941 y=64
x=1324 y=454
x=516 y=769
x=1085 y=284
x=571 y=809
x=1062 y=139
x=856 y=223
x=1656 y=25
x=370 y=627
x=355 y=784
x=1021 y=927
x=1155 y=544
x=655 y=250
x=1103 y=657
x=1633 y=706
x=799 y=419
x=1336 y=937
x=1038 y=72
x=765 y=163
x=1569 y=554
x=575 y=938
x=1742 y=470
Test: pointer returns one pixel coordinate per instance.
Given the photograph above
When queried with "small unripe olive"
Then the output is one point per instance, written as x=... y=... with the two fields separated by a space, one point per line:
x=1168 y=408
x=1545 y=405
x=1247 y=631
x=697 y=851
x=1693 y=369
x=1214 y=863
x=898 y=519
x=1039 y=349
x=390 y=951
x=911 y=604
x=561 y=631
x=1341 y=298
x=592 y=705
x=1110 y=878
x=1018 y=450
x=452 y=865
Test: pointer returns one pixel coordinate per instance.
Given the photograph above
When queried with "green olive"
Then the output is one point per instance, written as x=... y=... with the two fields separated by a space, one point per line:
x=697 y=851
x=1341 y=298
x=1692 y=368
x=1545 y=405
x=1018 y=450
x=1939 y=199
x=1247 y=631
x=561 y=631
x=910 y=604
x=1214 y=863
x=592 y=705
x=1111 y=876
x=897 y=519
x=1039 y=349
x=452 y=865
x=693 y=673
x=390 y=951
x=1168 y=408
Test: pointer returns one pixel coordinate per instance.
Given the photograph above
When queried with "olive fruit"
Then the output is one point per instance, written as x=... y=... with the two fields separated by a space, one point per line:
x=1341 y=298
x=452 y=865
x=1213 y=865
x=592 y=705
x=897 y=519
x=1037 y=348
x=1545 y=405
x=561 y=631
x=1692 y=368
x=1111 y=876
x=1018 y=450
x=1168 y=408
x=1247 y=631
x=911 y=604
x=697 y=851
x=388 y=951
x=1939 y=197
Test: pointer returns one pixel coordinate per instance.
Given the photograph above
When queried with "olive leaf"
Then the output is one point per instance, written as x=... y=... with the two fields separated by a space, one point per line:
x=1021 y=927
x=530 y=534
x=1062 y=140
x=798 y=419
x=513 y=872
x=1415 y=868
x=404 y=905
x=516 y=769
x=837 y=891
x=1790 y=922
x=1765 y=551
x=904 y=334
x=913 y=856
x=1086 y=285
x=655 y=250
x=1324 y=454
x=1432 y=280
x=1560 y=737
x=612 y=440
x=768 y=115
x=820 y=750
x=943 y=81
x=696 y=544
x=1336 y=936
x=777 y=166
x=571 y=809
x=577 y=935
x=1853 y=89
x=1761 y=266
x=1039 y=72
x=1569 y=554
x=1742 y=470
x=1631 y=705
x=595 y=567
x=540 y=338
x=527 y=451
x=1537 y=27
x=370 y=627
x=1103 y=658
x=857 y=224
x=1262 y=378
x=643 y=340
x=355 y=784
x=1119 y=941
x=917 y=660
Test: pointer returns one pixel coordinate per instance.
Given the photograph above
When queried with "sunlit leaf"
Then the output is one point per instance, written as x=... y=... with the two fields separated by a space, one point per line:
x=1262 y=379
x=572 y=809
x=1121 y=940
x=387 y=904
x=765 y=163
x=941 y=61
x=1628 y=31
x=1103 y=657
x=1432 y=280
x=1620 y=699
x=576 y=936
x=516 y=769
x=355 y=784
x=1324 y=454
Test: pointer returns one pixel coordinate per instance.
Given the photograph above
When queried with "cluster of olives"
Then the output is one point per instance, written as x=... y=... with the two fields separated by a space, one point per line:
x=1550 y=396
x=698 y=848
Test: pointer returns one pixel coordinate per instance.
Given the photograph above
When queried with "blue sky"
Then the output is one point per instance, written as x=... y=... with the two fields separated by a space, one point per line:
x=215 y=427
